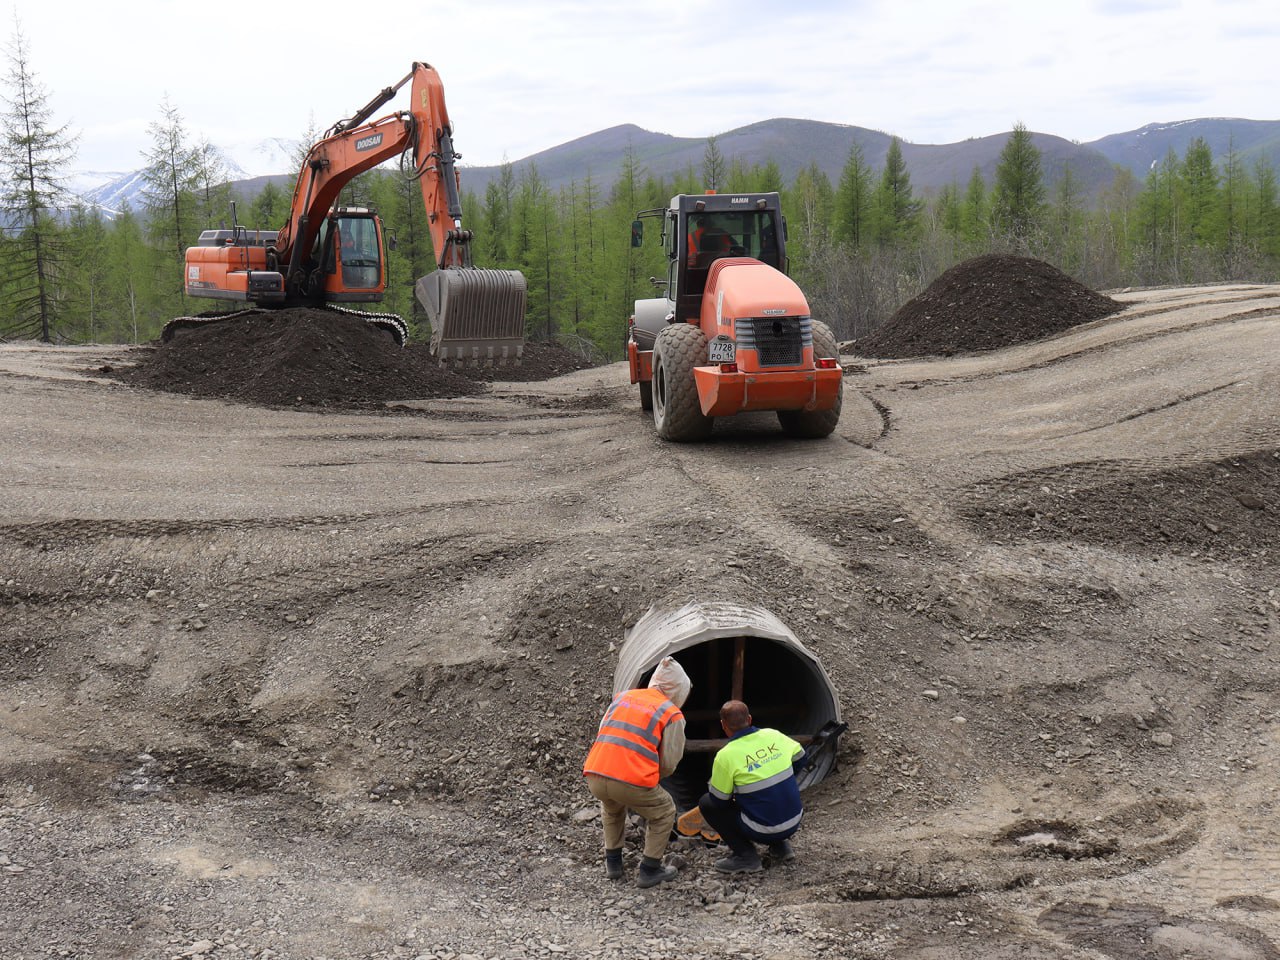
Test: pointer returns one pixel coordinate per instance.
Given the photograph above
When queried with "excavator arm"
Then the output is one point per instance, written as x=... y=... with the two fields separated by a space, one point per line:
x=435 y=168
x=330 y=165
x=354 y=145
x=475 y=314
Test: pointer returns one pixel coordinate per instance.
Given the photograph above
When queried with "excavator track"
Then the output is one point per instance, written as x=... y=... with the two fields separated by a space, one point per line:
x=389 y=323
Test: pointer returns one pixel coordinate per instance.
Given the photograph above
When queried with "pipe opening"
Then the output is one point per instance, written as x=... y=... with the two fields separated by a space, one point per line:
x=731 y=652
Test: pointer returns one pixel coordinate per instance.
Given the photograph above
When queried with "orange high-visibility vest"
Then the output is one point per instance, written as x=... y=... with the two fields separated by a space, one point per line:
x=723 y=243
x=630 y=737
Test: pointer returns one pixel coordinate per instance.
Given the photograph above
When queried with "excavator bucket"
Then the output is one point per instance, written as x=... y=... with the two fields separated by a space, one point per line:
x=476 y=314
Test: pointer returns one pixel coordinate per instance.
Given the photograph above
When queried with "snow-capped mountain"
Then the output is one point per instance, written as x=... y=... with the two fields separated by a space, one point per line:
x=112 y=191
x=264 y=158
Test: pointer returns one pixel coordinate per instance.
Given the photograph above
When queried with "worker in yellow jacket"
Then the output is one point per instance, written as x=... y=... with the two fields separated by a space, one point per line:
x=641 y=740
x=753 y=796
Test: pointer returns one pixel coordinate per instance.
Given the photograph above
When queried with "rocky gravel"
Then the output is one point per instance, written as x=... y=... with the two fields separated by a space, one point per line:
x=317 y=682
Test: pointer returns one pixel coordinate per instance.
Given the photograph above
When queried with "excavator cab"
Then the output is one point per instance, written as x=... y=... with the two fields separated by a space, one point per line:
x=351 y=248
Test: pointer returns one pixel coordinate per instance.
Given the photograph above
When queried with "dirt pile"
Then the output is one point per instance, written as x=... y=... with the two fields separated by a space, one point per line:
x=319 y=358
x=986 y=303
x=1223 y=509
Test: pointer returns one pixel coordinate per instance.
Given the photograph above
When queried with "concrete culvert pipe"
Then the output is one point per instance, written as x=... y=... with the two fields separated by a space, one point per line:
x=732 y=652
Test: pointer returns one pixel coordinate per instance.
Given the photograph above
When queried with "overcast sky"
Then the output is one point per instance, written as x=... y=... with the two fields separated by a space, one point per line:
x=524 y=75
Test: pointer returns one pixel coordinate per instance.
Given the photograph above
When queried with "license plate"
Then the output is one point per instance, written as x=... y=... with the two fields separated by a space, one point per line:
x=722 y=351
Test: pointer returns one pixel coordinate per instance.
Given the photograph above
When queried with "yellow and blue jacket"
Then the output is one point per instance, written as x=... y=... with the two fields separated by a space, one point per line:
x=756 y=771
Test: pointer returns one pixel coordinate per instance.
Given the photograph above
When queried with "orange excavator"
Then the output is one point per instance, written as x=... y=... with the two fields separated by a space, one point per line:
x=733 y=333
x=331 y=256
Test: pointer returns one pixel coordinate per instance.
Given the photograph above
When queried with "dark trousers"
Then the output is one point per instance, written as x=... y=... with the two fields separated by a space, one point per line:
x=723 y=817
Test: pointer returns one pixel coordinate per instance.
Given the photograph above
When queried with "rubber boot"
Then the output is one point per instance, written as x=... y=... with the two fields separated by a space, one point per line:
x=613 y=864
x=653 y=872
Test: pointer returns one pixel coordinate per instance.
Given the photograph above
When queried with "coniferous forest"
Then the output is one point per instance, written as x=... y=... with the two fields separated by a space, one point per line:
x=859 y=247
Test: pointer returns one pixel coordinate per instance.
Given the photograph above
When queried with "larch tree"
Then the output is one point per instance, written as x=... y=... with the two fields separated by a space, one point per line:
x=126 y=280
x=811 y=200
x=897 y=211
x=1235 y=215
x=87 y=232
x=1116 y=215
x=975 y=211
x=852 y=216
x=768 y=178
x=947 y=211
x=1018 y=198
x=590 y=259
x=170 y=180
x=398 y=199
x=1159 y=220
x=34 y=157
x=739 y=179
x=535 y=228
x=713 y=166
x=582 y=255
x=624 y=263
x=1267 y=208
x=1066 y=220
x=269 y=209
x=1200 y=213
x=212 y=182
x=497 y=245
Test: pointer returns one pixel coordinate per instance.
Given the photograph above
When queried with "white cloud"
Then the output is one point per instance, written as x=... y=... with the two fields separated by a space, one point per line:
x=523 y=77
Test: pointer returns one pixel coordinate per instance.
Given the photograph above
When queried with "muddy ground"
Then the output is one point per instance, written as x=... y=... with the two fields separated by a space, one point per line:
x=316 y=683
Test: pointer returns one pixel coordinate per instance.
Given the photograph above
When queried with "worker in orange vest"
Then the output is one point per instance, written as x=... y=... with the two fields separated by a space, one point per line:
x=709 y=238
x=640 y=741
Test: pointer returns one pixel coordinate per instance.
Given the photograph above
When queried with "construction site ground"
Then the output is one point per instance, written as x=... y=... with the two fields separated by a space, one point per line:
x=303 y=683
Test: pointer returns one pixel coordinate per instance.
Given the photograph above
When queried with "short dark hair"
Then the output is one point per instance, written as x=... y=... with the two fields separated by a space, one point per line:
x=735 y=716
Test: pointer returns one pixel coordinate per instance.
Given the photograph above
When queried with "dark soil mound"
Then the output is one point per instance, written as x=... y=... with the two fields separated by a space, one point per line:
x=320 y=358
x=541 y=360
x=302 y=357
x=986 y=303
x=1224 y=509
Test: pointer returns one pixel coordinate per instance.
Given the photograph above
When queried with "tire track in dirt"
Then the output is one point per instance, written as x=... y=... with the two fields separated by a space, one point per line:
x=941 y=499
x=1028 y=852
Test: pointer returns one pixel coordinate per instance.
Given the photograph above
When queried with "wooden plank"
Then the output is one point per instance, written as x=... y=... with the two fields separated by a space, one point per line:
x=713 y=746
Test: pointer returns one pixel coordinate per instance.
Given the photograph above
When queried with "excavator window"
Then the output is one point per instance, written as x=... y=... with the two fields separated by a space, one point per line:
x=357 y=248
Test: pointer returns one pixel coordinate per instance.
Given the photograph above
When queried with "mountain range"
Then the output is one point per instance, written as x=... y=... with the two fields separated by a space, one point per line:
x=791 y=144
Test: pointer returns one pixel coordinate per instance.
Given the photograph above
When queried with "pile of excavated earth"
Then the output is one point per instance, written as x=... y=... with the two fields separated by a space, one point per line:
x=320 y=358
x=986 y=303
